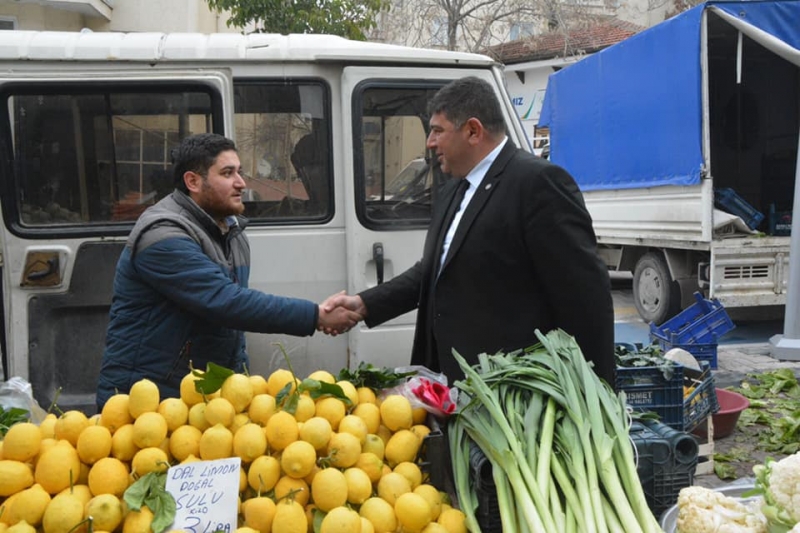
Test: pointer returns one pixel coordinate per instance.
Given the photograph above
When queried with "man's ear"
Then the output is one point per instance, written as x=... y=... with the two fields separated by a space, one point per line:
x=475 y=129
x=193 y=181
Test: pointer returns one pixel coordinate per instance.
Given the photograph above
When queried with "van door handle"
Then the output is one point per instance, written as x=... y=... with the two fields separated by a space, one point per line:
x=377 y=256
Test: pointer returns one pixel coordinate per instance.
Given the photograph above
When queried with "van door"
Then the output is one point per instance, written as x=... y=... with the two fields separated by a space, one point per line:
x=392 y=189
x=83 y=154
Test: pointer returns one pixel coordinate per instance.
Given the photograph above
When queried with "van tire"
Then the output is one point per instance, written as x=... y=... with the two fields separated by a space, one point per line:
x=656 y=295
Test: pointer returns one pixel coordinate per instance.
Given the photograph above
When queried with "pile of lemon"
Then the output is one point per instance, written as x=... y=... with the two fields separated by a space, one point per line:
x=354 y=462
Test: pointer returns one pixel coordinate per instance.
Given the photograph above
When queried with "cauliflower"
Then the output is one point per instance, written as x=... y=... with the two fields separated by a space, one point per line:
x=702 y=510
x=779 y=483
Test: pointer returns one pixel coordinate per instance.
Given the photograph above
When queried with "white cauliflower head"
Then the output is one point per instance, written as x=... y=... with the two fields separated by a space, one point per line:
x=784 y=485
x=702 y=510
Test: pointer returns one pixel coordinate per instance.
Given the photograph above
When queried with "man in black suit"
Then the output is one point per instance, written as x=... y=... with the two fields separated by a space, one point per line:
x=516 y=253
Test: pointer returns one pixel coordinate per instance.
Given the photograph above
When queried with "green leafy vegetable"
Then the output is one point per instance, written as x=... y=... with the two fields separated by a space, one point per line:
x=9 y=417
x=212 y=379
x=367 y=375
x=150 y=490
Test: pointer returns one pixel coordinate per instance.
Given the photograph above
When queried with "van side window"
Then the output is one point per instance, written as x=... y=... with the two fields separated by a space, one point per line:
x=283 y=134
x=396 y=183
x=94 y=155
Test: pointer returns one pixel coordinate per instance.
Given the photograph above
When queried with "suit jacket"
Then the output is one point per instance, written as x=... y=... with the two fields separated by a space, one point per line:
x=524 y=257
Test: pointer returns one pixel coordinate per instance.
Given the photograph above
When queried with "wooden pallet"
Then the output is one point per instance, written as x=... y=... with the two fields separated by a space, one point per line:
x=705 y=462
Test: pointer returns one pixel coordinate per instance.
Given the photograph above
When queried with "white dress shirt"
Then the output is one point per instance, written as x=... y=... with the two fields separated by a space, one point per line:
x=474 y=178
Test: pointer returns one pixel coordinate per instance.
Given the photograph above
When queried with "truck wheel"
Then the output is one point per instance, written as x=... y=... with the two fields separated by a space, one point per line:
x=655 y=294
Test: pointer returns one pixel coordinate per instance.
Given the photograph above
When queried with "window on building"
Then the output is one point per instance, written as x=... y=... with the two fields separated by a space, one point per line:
x=395 y=182
x=439 y=31
x=283 y=135
x=88 y=155
x=520 y=30
x=8 y=23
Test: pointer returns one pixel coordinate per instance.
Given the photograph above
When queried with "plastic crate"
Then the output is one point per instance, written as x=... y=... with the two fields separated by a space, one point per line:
x=433 y=457
x=701 y=352
x=648 y=389
x=700 y=404
x=726 y=199
x=667 y=459
x=480 y=475
x=780 y=222
x=702 y=322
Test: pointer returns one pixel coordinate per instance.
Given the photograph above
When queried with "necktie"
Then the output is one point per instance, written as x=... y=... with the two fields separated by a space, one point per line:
x=448 y=228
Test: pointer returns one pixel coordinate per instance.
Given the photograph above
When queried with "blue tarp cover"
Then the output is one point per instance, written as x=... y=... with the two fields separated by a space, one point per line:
x=630 y=116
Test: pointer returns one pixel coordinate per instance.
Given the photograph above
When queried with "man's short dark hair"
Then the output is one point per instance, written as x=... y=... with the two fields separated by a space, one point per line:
x=197 y=153
x=467 y=98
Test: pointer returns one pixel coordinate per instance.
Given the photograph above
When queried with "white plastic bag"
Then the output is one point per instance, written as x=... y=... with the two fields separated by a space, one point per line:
x=426 y=389
x=16 y=392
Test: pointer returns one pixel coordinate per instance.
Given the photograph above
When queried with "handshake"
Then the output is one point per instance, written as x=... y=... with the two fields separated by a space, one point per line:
x=339 y=313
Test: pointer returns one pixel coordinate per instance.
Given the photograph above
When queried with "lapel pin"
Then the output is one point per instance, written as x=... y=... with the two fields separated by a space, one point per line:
x=488 y=186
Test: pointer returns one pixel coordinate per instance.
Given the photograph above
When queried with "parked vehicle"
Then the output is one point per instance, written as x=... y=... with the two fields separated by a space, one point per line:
x=706 y=102
x=323 y=126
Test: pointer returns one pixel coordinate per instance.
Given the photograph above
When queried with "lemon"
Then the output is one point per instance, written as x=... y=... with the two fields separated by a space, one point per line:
x=341 y=520
x=94 y=443
x=259 y=384
x=243 y=529
x=216 y=443
x=189 y=394
x=453 y=520
x=190 y=459
x=106 y=512
x=239 y=420
x=109 y=476
x=28 y=505
x=122 y=445
x=396 y=412
x=370 y=464
x=290 y=517
x=238 y=390
x=259 y=512
x=261 y=408
x=391 y=486
x=349 y=391
x=174 y=411
x=81 y=492
x=296 y=488
x=344 y=449
x=418 y=415
x=359 y=485
x=22 y=442
x=278 y=380
x=58 y=467
x=380 y=513
x=220 y=411
x=146 y=460
x=331 y=408
x=432 y=496
x=384 y=433
x=410 y=471
x=420 y=430
x=281 y=430
x=434 y=527
x=4 y=507
x=48 y=426
x=143 y=398
x=370 y=414
x=249 y=442
x=322 y=375
x=138 y=521
x=149 y=429
x=374 y=444
x=264 y=473
x=69 y=426
x=21 y=527
x=298 y=459
x=317 y=432
x=197 y=416
x=306 y=408
x=185 y=441
x=402 y=446
x=116 y=412
x=413 y=511
x=329 y=489
x=64 y=512
x=355 y=426
x=366 y=395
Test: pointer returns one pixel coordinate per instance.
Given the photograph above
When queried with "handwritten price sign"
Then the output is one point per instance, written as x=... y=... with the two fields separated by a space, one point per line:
x=206 y=495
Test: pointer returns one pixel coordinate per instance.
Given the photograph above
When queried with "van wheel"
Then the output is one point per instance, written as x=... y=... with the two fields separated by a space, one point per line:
x=656 y=295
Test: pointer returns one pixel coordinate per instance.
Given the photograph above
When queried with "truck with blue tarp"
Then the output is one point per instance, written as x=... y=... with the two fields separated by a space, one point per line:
x=684 y=141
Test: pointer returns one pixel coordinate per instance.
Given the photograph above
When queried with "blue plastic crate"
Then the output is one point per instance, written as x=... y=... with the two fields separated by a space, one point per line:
x=726 y=199
x=700 y=404
x=648 y=389
x=702 y=352
x=703 y=322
